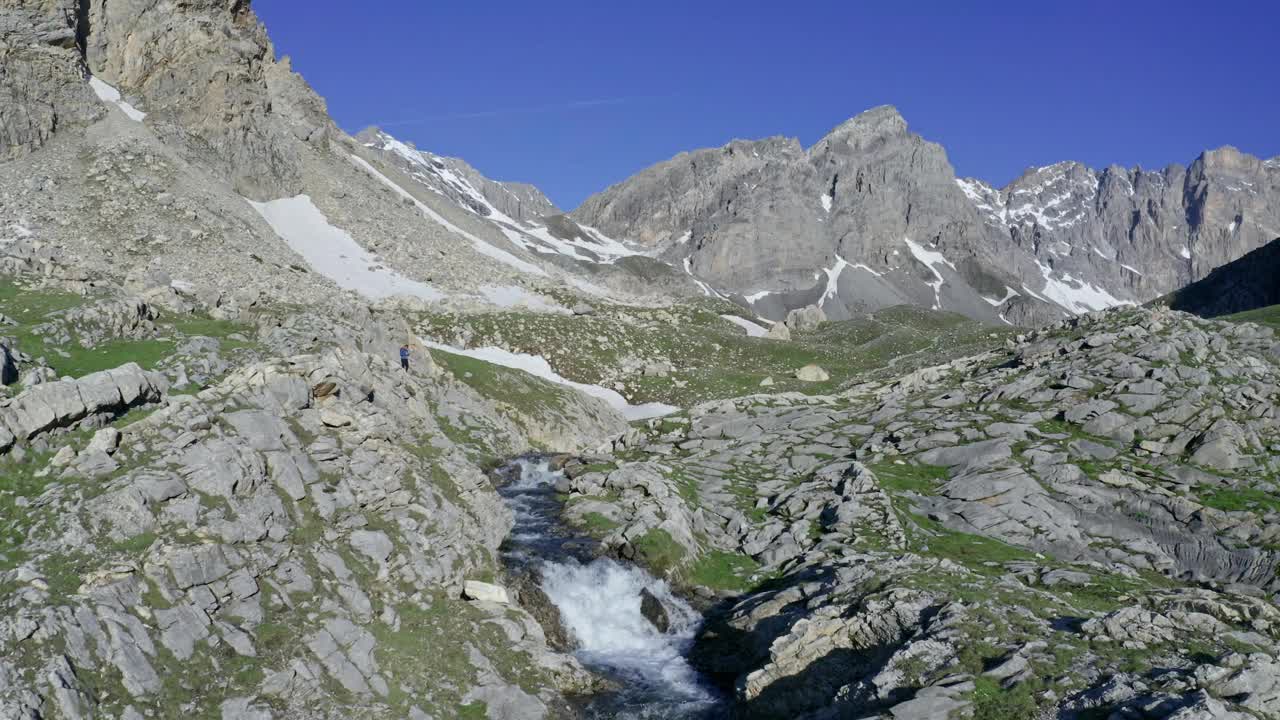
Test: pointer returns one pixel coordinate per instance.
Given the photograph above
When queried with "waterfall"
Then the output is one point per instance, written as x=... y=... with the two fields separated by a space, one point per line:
x=599 y=600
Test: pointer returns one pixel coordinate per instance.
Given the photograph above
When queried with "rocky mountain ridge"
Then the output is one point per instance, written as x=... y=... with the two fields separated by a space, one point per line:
x=873 y=215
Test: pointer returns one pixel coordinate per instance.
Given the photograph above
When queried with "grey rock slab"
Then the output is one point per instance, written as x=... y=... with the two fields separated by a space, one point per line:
x=975 y=455
x=373 y=544
x=199 y=565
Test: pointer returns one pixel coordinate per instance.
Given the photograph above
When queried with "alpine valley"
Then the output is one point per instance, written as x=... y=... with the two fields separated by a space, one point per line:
x=764 y=431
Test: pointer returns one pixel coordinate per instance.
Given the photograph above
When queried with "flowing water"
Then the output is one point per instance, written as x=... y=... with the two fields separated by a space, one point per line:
x=599 y=603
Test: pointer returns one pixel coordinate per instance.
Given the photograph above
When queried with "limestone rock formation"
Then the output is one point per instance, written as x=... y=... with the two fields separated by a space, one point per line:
x=873 y=215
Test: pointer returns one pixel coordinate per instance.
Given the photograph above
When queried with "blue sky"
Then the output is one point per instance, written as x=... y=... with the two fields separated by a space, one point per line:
x=574 y=95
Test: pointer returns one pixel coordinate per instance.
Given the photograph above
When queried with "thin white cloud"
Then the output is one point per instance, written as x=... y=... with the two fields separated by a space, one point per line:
x=570 y=106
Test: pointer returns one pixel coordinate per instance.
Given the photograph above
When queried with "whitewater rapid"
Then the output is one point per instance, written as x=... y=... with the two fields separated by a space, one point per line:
x=599 y=600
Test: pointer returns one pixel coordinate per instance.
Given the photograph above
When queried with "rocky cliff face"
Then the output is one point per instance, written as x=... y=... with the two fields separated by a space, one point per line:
x=205 y=71
x=873 y=215
x=42 y=75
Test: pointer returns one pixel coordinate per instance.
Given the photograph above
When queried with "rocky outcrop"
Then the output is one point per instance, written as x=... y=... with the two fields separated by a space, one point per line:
x=301 y=519
x=205 y=73
x=8 y=366
x=42 y=75
x=55 y=405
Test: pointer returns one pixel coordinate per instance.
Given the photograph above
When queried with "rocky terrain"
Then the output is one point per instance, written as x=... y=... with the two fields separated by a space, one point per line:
x=222 y=497
x=1080 y=524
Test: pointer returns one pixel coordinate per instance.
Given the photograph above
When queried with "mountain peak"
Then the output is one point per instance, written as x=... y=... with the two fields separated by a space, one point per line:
x=882 y=121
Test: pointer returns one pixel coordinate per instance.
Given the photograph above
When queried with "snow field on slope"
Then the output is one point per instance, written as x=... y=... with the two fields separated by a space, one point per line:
x=538 y=366
x=332 y=252
x=753 y=330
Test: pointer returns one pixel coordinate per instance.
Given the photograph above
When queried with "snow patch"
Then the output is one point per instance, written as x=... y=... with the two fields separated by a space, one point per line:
x=1232 y=227
x=833 y=279
x=1074 y=295
x=1032 y=293
x=931 y=259
x=1135 y=271
x=986 y=199
x=1185 y=252
x=684 y=238
x=538 y=366
x=706 y=289
x=1009 y=294
x=860 y=266
x=332 y=252
x=826 y=202
x=111 y=96
x=753 y=330
x=756 y=297
x=510 y=296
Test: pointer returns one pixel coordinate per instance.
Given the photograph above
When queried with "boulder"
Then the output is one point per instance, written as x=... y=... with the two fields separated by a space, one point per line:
x=812 y=373
x=106 y=440
x=779 y=331
x=654 y=611
x=485 y=592
x=657 y=370
x=334 y=419
x=805 y=319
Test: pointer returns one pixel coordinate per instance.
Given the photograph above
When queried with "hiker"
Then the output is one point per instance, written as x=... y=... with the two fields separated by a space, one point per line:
x=404 y=357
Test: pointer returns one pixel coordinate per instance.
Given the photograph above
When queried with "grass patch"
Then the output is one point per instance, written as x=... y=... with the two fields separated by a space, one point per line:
x=110 y=355
x=135 y=545
x=720 y=570
x=1242 y=499
x=597 y=524
x=430 y=656
x=659 y=551
x=28 y=306
x=917 y=478
x=19 y=485
x=979 y=553
x=220 y=330
x=992 y=702
x=1269 y=316
x=712 y=358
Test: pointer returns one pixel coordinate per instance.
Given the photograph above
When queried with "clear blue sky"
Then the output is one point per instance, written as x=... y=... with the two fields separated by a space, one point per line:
x=574 y=95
